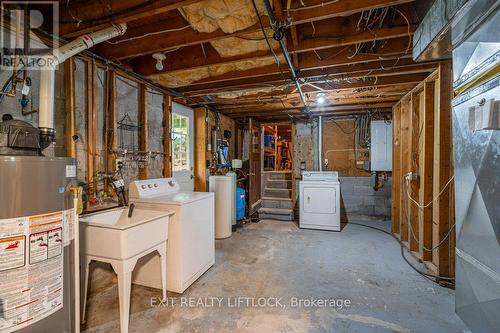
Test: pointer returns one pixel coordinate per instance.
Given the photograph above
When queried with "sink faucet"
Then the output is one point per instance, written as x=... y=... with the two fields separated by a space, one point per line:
x=130 y=209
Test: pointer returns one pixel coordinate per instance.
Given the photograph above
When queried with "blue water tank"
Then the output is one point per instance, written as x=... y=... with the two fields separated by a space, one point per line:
x=240 y=203
x=268 y=140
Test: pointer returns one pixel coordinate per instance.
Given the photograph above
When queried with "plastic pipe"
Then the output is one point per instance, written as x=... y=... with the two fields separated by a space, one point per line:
x=50 y=62
x=320 y=143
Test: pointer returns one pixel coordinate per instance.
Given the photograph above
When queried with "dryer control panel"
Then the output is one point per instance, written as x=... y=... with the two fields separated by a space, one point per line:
x=153 y=187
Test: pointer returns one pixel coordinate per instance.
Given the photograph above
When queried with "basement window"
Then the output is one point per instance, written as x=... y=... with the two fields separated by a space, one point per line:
x=180 y=140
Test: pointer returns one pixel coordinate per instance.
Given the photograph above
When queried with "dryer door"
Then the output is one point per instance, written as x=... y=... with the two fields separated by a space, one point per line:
x=320 y=200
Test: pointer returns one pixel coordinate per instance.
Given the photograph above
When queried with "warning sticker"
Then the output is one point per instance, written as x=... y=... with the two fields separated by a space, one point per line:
x=12 y=252
x=55 y=242
x=31 y=269
x=68 y=225
x=38 y=247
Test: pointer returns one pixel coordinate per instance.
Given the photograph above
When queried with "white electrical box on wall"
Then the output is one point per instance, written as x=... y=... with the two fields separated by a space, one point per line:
x=381 y=145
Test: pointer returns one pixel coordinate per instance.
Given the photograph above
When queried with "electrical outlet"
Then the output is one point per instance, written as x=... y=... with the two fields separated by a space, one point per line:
x=411 y=176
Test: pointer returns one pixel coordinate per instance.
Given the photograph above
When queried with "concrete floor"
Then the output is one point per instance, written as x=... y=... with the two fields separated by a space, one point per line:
x=276 y=259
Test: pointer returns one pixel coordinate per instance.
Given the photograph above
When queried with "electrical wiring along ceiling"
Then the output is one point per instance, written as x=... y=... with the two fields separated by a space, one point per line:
x=229 y=16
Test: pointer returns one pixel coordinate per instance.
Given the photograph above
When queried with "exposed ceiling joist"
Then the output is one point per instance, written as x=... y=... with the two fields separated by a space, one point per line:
x=194 y=56
x=77 y=13
x=385 y=68
x=368 y=106
x=169 y=41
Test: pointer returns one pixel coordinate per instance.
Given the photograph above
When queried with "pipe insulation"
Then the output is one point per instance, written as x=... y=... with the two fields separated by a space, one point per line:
x=50 y=62
x=320 y=143
x=288 y=59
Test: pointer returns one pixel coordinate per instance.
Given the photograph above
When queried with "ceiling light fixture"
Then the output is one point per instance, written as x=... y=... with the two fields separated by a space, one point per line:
x=320 y=98
x=159 y=57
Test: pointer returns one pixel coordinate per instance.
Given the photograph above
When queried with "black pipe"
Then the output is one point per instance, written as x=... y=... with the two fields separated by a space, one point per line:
x=293 y=72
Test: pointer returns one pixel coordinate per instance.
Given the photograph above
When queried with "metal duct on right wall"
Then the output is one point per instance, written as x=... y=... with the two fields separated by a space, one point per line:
x=476 y=66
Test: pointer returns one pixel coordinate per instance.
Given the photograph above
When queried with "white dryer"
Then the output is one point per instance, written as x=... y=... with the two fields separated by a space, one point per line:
x=191 y=238
x=319 y=200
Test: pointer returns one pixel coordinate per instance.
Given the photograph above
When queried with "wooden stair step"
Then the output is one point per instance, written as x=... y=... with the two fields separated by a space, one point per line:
x=275 y=211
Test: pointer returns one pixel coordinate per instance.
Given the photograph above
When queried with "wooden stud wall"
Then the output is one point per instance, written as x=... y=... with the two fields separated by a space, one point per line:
x=200 y=149
x=69 y=87
x=167 y=125
x=143 y=126
x=91 y=132
x=422 y=145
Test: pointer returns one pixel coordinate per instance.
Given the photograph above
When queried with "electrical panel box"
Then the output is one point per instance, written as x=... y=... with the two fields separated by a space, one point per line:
x=381 y=145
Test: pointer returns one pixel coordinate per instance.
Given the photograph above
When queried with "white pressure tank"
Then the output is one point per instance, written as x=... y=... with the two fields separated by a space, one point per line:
x=222 y=186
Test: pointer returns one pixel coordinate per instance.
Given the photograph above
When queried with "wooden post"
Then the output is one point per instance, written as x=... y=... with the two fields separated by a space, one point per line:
x=443 y=216
x=415 y=132
x=405 y=165
x=110 y=141
x=167 y=153
x=200 y=149
x=426 y=168
x=396 y=169
x=91 y=123
x=69 y=91
x=143 y=126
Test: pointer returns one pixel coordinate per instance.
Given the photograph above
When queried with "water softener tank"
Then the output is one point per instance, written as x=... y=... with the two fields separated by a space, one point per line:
x=240 y=203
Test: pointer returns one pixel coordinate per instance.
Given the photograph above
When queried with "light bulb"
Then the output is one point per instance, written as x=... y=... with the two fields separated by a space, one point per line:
x=320 y=100
x=159 y=57
x=159 y=65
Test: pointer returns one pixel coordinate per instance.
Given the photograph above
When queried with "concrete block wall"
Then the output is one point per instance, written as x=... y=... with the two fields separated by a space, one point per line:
x=358 y=198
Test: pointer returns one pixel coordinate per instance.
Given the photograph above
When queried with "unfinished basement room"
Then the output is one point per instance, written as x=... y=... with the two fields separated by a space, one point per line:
x=249 y=166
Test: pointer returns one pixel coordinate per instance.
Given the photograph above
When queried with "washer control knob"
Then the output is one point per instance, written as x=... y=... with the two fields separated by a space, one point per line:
x=143 y=187
x=150 y=186
x=155 y=185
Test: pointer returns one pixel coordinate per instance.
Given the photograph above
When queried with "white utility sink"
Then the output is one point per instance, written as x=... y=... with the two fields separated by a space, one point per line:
x=113 y=237
x=113 y=234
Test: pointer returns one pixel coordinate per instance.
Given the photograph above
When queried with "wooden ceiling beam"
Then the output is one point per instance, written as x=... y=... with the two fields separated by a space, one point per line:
x=337 y=101
x=340 y=8
x=340 y=59
x=385 y=81
x=297 y=115
x=90 y=10
x=193 y=56
x=385 y=68
x=271 y=108
x=319 y=43
x=168 y=40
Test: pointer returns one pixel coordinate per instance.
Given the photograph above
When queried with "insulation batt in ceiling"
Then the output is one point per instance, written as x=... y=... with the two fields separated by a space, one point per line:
x=185 y=77
x=248 y=43
x=228 y=15
x=251 y=92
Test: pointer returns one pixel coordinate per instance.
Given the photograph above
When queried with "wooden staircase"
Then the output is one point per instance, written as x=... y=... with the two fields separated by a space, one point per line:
x=277 y=199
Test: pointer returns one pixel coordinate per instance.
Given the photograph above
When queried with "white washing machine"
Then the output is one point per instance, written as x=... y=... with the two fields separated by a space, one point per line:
x=191 y=238
x=319 y=200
